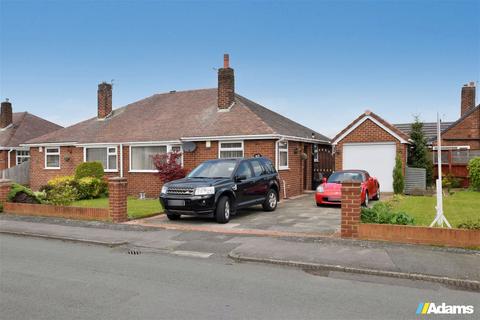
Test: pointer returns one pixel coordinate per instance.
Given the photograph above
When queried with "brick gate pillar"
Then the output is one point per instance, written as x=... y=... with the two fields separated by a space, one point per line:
x=5 y=186
x=351 y=208
x=117 y=199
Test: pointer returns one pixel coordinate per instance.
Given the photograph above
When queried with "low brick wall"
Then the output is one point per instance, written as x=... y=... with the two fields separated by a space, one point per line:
x=420 y=235
x=56 y=211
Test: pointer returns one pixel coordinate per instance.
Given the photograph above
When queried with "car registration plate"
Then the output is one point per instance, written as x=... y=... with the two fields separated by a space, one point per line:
x=334 y=199
x=176 y=203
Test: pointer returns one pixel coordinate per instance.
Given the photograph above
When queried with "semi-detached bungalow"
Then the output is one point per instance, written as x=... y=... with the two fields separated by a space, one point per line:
x=202 y=124
x=17 y=128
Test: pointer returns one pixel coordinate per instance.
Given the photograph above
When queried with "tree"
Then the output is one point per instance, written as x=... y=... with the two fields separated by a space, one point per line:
x=474 y=173
x=398 y=180
x=418 y=157
x=169 y=166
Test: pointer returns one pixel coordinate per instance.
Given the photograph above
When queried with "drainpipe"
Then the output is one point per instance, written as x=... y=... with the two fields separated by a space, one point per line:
x=121 y=160
x=8 y=155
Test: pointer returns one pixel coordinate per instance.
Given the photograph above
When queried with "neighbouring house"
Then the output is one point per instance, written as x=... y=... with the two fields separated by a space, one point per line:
x=371 y=142
x=16 y=128
x=202 y=124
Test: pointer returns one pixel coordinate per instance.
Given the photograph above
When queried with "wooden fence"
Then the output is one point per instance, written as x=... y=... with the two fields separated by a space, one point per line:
x=19 y=174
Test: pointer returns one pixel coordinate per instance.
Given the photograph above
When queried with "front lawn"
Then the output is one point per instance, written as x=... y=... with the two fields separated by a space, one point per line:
x=136 y=208
x=460 y=207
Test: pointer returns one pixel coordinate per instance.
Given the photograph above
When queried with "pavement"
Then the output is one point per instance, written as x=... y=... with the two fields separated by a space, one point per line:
x=45 y=279
x=453 y=267
x=298 y=216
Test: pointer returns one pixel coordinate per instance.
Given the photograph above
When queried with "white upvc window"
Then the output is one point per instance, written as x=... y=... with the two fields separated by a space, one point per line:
x=230 y=149
x=141 y=157
x=22 y=156
x=52 y=157
x=106 y=155
x=282 y=147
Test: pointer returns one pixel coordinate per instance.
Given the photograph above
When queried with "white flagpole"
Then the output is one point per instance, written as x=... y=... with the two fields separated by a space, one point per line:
x=439 y=218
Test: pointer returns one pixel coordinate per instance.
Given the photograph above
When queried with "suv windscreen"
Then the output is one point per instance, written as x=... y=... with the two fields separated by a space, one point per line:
x=339 y=177
x=214 y=169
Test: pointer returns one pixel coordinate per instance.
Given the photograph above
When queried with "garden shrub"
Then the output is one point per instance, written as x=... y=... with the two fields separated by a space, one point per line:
x=1 y=207
x=474 y=173
x=398 y=179
x=89 y=169
x=471 y=225
x=21 y=194
x=382 y=213
x=449 y=182
x=91 y=188
x=64 y=195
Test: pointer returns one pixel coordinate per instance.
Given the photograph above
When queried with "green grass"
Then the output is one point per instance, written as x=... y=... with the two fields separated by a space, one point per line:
x=136 y=208
x=457 y=208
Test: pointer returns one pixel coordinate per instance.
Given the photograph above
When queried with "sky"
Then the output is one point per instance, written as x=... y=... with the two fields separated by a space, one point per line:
x=319 y=63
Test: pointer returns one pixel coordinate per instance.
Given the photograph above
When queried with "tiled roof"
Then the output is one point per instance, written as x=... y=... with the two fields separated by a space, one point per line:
x=429 y=129
x=171 y=116
x=25 y=126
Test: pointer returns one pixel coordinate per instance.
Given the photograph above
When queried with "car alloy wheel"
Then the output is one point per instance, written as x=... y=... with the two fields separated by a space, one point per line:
x=272 y=200
x=226 y=211
x=366 y=199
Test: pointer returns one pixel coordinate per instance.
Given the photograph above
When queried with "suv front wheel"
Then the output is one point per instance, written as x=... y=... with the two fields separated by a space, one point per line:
x=224 y=208
x=271 y=201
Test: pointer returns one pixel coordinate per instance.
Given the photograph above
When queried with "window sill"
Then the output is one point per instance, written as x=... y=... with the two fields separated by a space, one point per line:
x=110 y=171
x=284 y=169
x=52 y=168
x=142 y=171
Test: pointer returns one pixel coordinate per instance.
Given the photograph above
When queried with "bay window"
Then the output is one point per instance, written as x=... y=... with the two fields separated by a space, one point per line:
x=230 y=149
x=282 y=155
x=52 y=158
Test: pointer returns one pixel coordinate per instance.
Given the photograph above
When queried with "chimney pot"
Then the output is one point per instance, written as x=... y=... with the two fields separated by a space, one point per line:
x=226 y=85
x=6 y=114
x=104 y=98
x=226 y=61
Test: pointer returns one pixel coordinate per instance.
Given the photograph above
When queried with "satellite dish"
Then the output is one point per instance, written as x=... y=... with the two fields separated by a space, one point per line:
x=189 y=146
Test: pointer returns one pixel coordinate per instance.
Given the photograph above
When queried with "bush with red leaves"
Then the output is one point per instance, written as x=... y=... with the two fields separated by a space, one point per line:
x=169 y=166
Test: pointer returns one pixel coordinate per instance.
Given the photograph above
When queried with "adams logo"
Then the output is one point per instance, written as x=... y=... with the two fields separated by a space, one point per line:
x=432 y=308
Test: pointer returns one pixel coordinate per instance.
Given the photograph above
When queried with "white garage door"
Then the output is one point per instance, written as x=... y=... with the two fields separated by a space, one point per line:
x=376 y=158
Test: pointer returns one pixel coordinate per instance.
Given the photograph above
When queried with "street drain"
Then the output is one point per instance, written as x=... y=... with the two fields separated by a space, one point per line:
x=134 y=252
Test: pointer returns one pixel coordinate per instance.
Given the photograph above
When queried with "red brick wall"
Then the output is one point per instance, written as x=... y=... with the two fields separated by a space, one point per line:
x=368 y=131
x=150 y=183
x=351 y=202
x=77 y=213
x=4 y=159
x=420 y=235
x=465 y=133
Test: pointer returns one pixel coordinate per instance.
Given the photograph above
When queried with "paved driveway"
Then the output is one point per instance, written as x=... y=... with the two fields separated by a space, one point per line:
x=300 y=215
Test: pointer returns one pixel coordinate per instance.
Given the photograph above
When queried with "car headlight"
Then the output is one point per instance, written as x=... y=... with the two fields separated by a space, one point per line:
x=202 y=191
x=164 y=189
x=320 y=189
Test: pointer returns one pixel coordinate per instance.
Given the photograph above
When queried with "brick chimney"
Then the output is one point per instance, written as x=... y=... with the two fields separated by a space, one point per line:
x=226 y=85
x=6 y=114
x=104 y=94
x=468 y=97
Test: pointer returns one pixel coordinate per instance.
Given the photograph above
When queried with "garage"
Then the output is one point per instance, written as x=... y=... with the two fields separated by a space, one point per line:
x=371 y=143
x=377 y=158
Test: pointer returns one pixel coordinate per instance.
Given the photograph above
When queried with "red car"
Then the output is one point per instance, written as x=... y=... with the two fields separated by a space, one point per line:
x=329 y=192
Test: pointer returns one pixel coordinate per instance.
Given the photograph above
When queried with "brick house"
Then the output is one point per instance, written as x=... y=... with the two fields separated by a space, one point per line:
x=371 y=143
x=370 y=135
x=17 y=128
x=202 y=124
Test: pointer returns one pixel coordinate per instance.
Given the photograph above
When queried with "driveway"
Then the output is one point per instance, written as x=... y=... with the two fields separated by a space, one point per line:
x=294 y=216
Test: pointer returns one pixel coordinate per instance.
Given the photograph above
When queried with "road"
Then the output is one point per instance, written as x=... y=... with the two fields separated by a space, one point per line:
x=50 y=279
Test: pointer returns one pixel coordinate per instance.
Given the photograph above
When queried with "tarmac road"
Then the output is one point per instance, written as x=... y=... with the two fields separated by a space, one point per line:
x=51 y=279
